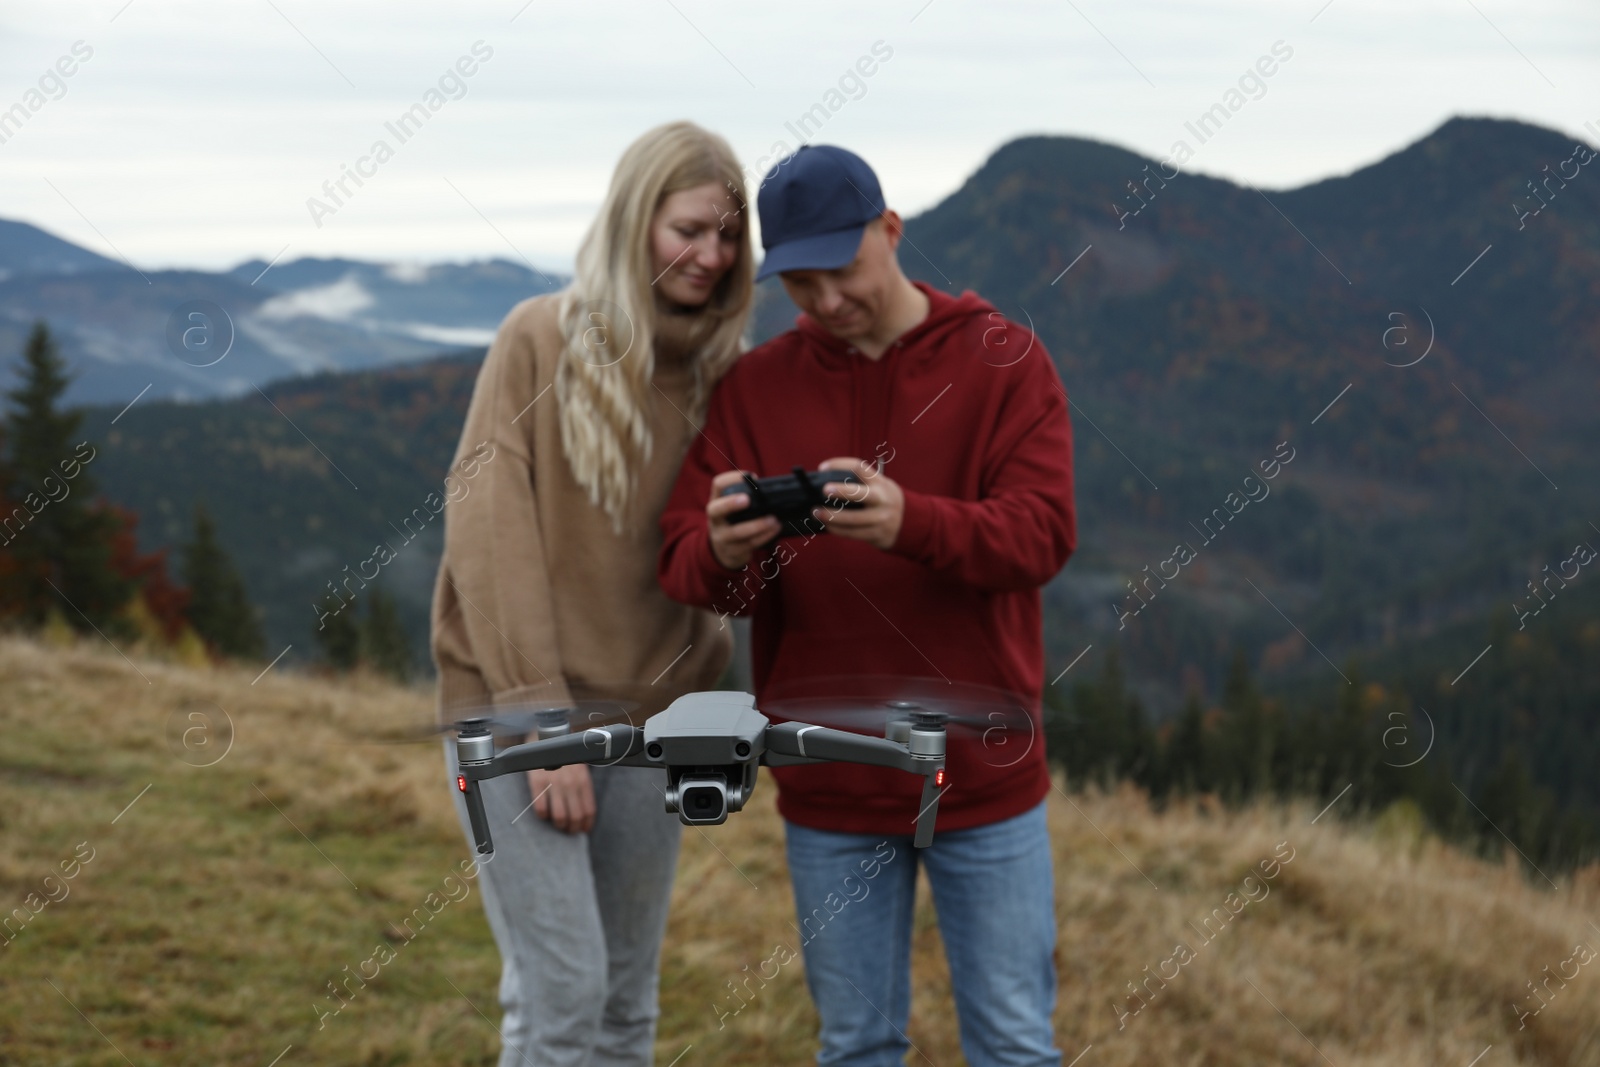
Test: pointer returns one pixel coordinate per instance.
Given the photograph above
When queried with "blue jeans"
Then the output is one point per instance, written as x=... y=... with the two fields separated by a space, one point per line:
x=994 y=891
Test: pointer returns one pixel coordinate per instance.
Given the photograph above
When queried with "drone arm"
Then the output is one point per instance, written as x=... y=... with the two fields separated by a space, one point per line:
x=598 y=744
x=797 y=742
x=812 y=743
x=778 y=759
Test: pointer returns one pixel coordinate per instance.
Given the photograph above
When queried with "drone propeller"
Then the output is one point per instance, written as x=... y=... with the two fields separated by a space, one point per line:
x=993 y=724
x=593 y=704
x=510 y=720
x=520 y=720
x=870 y=702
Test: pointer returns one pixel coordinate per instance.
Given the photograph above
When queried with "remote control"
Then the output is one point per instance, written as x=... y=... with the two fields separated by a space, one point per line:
x=790 y=497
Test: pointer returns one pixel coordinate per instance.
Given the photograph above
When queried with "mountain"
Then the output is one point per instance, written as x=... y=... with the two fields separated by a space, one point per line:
x=242 y=846
x=1428 y=354
x=26 y=249
x=189 y=335
x=303 y=479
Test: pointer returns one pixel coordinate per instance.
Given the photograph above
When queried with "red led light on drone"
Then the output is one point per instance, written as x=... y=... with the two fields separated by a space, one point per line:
x=938 y=778
x=461 y=782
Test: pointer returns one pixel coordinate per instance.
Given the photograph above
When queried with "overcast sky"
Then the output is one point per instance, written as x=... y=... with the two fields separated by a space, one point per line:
x=196 y=130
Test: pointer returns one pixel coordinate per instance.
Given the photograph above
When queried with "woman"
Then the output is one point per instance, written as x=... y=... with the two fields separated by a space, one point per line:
x=579 y=420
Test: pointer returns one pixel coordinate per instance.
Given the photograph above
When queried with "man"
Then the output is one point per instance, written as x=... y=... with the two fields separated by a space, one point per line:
x=966 y=511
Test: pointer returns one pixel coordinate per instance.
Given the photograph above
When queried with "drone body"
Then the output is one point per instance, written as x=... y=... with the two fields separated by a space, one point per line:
x=711 y=745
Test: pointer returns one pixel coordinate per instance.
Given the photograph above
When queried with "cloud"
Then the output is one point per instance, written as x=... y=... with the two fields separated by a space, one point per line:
x=446 y=335
x=407 y=273
x=339 y=302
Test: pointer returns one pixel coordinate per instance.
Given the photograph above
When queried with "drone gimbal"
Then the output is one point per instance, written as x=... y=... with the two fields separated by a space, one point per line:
x=710 y=745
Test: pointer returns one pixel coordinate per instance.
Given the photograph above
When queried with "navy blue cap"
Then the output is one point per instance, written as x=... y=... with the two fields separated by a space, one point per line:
x=814 y=206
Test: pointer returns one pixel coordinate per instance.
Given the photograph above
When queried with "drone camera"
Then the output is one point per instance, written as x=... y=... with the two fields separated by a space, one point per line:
x=705 y=802
x=704 y=799
x=707 y=795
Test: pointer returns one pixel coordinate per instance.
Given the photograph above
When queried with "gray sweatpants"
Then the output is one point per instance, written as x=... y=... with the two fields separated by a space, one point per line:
x=578 y=918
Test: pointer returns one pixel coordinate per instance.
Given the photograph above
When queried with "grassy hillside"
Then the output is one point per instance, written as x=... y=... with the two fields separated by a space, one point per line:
x=215 y=891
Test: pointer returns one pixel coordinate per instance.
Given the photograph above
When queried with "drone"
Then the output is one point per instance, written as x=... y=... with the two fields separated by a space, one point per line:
x=710 y=745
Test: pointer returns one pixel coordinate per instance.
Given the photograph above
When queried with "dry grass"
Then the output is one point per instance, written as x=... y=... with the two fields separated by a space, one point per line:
x=216 y=908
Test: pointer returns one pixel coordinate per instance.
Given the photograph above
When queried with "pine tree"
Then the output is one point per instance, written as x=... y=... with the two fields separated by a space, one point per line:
x=337 y=634
x=219 y=607
x=383 y=639
x=1513 y=805
x=1137 y=757
x=1246 y=737
x=1103 y=736
x=1185 y=759
x=60 y=540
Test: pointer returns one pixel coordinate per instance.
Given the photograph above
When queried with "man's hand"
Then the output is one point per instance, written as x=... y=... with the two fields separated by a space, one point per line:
x=733 y=544
x=877 y=521
x=564 y=797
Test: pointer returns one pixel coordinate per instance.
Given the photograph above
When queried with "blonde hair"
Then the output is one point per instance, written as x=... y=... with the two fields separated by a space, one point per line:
x=604 y=375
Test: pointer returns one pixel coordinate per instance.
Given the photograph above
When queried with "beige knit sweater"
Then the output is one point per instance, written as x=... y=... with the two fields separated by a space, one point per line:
x=536 y=591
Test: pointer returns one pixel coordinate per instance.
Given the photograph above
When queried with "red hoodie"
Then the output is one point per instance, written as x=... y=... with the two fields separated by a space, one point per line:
x=969 y=416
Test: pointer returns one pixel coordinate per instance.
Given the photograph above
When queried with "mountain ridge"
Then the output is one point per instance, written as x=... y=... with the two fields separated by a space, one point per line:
x=159 y=334
x=1192 y=343
x=28 y=249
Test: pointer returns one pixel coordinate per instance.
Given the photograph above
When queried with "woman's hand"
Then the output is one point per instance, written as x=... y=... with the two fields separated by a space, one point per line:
x=734 y=544
x=564 y=797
